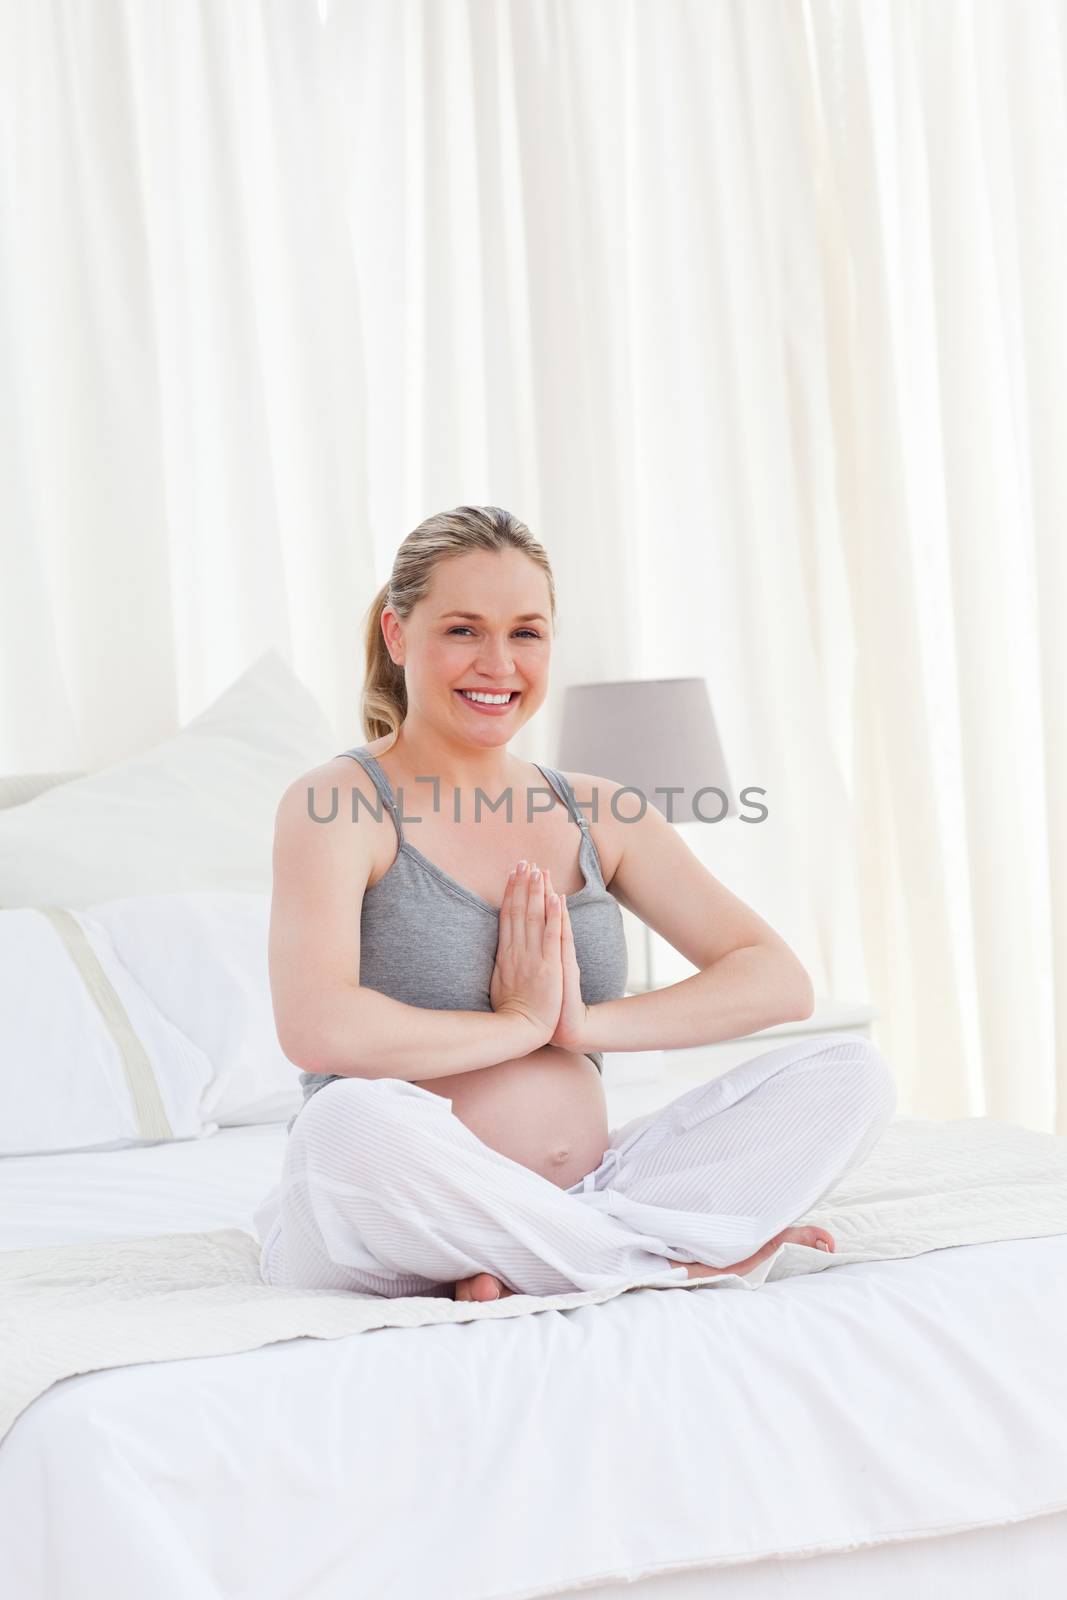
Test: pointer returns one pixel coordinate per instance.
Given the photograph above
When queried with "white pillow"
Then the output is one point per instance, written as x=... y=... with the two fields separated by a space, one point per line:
x=87 y=1062
x=202 y=960
x=195 y=812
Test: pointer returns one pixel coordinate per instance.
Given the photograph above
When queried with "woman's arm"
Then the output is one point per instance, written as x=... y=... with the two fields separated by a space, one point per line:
x=749 y=978
x=325 y=1021
x=359 y=1033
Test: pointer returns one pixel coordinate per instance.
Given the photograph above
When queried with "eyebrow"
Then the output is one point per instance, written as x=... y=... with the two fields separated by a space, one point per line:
x=473 y=616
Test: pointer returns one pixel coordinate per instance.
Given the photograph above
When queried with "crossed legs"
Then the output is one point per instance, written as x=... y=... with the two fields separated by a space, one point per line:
x=385 y=1191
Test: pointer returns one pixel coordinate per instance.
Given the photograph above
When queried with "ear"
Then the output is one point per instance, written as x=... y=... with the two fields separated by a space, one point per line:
x=394 y=639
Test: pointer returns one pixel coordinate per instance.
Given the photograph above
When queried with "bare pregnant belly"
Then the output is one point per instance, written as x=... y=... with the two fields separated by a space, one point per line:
x=545 y=1110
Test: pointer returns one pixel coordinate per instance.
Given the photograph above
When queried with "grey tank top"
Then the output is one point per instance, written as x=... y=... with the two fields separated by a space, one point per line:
x=427 y=941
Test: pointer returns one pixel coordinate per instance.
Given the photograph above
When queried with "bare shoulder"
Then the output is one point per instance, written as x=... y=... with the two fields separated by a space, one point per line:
x=323 y=800
x=606 y=811
x=340 y=773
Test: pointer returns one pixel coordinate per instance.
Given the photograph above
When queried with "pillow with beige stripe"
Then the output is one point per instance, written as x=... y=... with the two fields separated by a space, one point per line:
x=87 y=1060
x=201 y=958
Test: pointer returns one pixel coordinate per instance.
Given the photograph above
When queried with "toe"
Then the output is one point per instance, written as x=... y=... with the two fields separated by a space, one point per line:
x=814 y=1238
x=482 y=1286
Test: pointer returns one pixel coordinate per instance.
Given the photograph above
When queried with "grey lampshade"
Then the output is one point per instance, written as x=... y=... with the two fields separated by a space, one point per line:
x=652 y=733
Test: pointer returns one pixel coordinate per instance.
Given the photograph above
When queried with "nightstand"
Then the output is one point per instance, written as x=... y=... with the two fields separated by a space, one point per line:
x=667 y=1074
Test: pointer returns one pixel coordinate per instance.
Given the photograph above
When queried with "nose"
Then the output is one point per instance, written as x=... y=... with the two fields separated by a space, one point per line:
x=495 y=659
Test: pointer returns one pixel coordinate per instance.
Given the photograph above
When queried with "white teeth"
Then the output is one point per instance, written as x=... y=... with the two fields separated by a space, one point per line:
x=485 y=699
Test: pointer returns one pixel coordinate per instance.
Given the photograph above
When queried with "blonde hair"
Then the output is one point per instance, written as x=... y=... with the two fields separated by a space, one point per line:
x=448 y=533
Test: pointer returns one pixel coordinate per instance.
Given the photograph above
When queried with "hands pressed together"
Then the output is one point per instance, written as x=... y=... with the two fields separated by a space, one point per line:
x=536 y=972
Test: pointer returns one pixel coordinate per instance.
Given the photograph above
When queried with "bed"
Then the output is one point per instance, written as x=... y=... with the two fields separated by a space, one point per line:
x=872 y=1426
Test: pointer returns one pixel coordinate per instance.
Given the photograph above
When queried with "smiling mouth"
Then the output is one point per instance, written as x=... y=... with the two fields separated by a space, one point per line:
x=465 y=695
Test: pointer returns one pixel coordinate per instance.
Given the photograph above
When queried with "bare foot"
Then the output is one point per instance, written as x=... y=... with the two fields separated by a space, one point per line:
x=482 y=1286
x=816 y=1237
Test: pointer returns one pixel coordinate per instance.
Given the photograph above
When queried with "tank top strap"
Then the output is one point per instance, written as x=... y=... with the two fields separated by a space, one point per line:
x=376 y=773
x=566 y=794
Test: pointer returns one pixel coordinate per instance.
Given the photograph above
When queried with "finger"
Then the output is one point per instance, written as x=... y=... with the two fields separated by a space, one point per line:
x=549 y=890
x=535 y=904
x=506 y=909
x=561 y=899
x=550 y=943
x=522 y=887
x=517 y=906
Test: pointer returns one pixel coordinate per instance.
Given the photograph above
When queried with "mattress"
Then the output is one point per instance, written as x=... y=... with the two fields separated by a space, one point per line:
x=659 y=1433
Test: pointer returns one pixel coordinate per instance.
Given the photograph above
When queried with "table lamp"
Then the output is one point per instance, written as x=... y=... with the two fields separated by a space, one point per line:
x=656 y=735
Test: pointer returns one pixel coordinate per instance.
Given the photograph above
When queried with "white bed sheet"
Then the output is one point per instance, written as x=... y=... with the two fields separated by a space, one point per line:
x=881 y=1401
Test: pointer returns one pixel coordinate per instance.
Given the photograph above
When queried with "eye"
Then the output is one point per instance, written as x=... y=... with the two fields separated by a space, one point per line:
x=463 y=628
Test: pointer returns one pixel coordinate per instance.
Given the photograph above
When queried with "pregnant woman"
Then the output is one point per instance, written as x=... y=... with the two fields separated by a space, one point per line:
x=447 y=965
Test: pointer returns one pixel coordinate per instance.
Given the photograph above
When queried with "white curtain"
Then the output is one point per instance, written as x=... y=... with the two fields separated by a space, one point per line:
x=930 y=418
x=749 y=308
x=183 y=383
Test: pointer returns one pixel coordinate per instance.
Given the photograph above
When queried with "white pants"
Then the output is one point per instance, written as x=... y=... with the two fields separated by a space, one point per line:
x=385 y=1191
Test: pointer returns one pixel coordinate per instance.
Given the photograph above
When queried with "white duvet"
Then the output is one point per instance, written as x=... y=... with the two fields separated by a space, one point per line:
x=873 y=1396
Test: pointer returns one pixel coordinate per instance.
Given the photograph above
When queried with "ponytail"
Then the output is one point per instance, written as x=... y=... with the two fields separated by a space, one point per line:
x=385 y=695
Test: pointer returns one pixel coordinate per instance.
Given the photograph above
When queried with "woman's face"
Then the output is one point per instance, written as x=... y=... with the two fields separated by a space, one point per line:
x=504 y=646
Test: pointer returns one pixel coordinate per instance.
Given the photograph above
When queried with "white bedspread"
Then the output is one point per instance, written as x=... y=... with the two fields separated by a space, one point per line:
x=873 y=1397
